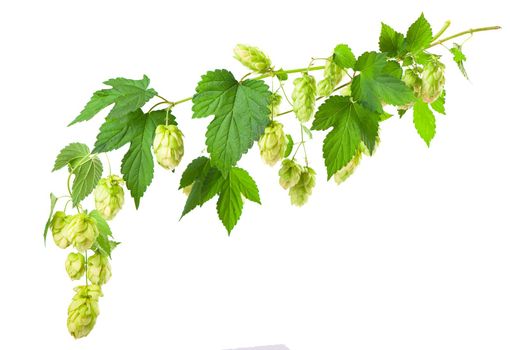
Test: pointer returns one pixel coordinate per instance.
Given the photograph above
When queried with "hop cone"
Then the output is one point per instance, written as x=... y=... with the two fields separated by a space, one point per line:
x=57 y=224
x=98 y=269
x=81 y=231
x=109 y=196
x=75 y=265
x=83 y=310
x=303 y=97
x=333 y=74
x=344 y=173
x=303 y=189
x=289 y=173
x=432 y=81
x=272 y=144
x=252 y=57
x=168 y=146
x=274 y=103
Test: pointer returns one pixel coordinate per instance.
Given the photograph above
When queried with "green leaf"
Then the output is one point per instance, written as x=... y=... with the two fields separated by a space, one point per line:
x=393 y=69
x=194 y=169
x=103 y=244
x=376 y=82
x=53 y=202
x=438 y=104
x=424 y=121
x=419 y=35
x=459 y=58
x=352 y=123
x=343 y=56
x=138 y=165
x=290 y=146
x=127 y=95
x=230 y=203
x=241 y=114
x=390 y=41
x=86 y=177
x=70 y=154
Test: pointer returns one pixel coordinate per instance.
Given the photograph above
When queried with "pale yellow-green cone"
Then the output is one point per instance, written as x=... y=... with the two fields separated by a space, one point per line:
x=344 y=173
x=413 y=81
x=109 y=196
x=274 y=103
x=75 y=265
x=432 y=81
x=81 y=231
x=83 y=310
x=272 y=143
x=57 y=224
x=303 y=189
x=289 y=173
x=99 y=270
x=333 y=74
x=252 y=58
x=187 y=190
x=168 y=146
x=303 y=97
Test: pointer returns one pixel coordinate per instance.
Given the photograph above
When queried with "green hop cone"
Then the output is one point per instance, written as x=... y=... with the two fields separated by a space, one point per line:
x=333 y=74
x=99 y=270
x=272 y=143
x=75 y=265
x=83 y=310
x=252 y=58
x=274 y=103
x=303 y=97
x=344 y=173
x=168 y=146
x=413 y=81
x=109 y=196
x=57 y=224
x=432 y=81
x=81 y=231
x=303 y=189
x=289 y=173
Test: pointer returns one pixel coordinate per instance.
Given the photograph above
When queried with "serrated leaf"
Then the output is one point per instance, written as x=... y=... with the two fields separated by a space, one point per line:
x=241 y=115
x=53 y=202
x=128 y=95
x=352 y=123
x=86 y=177
x=390 y=41
x=195 y=169
x=393 y=69
x=419 y=35
x=424 y=121
x=230 y=204
x=438 y=104
x=290 y=145
x=70 y=154
x=138 y=165
x=373 y=84
x=343 y=56
x=103 y=244
x=459 y=58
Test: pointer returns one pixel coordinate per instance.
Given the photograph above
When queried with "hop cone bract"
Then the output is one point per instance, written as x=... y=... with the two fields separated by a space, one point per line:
x=252 y=57
x=303 y=189
x=432 y=81
x=303 y=97
x=168 y=146
x=83 y=310
x=81 y=231
x=272 y=143
x=109 y=196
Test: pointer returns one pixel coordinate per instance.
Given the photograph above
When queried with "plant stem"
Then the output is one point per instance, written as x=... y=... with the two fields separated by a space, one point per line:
x=469 y=31
x=289 y=71
x=441 y=31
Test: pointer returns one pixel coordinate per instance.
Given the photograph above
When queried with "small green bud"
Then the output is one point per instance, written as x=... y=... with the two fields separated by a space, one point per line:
x=99 y=270
x=81 y=231
x=168 y=146
x=57 y=224
x=83 y=310
x=333 y=74
x=109 y=196
x=272 y=143
x=344 y=173
x=303 y=97
x=252 y=57
x=274 y=103
x=432 y=81
x=303 y=189
x=75 y=265
x=289 y=173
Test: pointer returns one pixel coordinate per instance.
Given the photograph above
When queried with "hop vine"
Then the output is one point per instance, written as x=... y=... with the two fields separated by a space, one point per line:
x=348 y=96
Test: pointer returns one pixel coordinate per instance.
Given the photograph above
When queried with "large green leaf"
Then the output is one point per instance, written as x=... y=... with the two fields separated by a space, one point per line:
x=419 y=35
x=86 y=177
x=390 y=41
x=343 y=56
x=241 y=114
x=424 y=121
x=71 y=155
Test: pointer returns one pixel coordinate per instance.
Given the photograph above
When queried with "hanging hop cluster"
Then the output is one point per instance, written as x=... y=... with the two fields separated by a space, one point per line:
x=252 y=58
x=83 y=310
x=299 y=180
x=303 y=97
x=427 y=82
x=109 y=196
x=333 y=75
x=273 y=143
x=168 y=146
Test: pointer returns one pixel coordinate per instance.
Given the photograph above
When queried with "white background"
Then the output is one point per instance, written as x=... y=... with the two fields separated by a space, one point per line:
x=413 y=252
